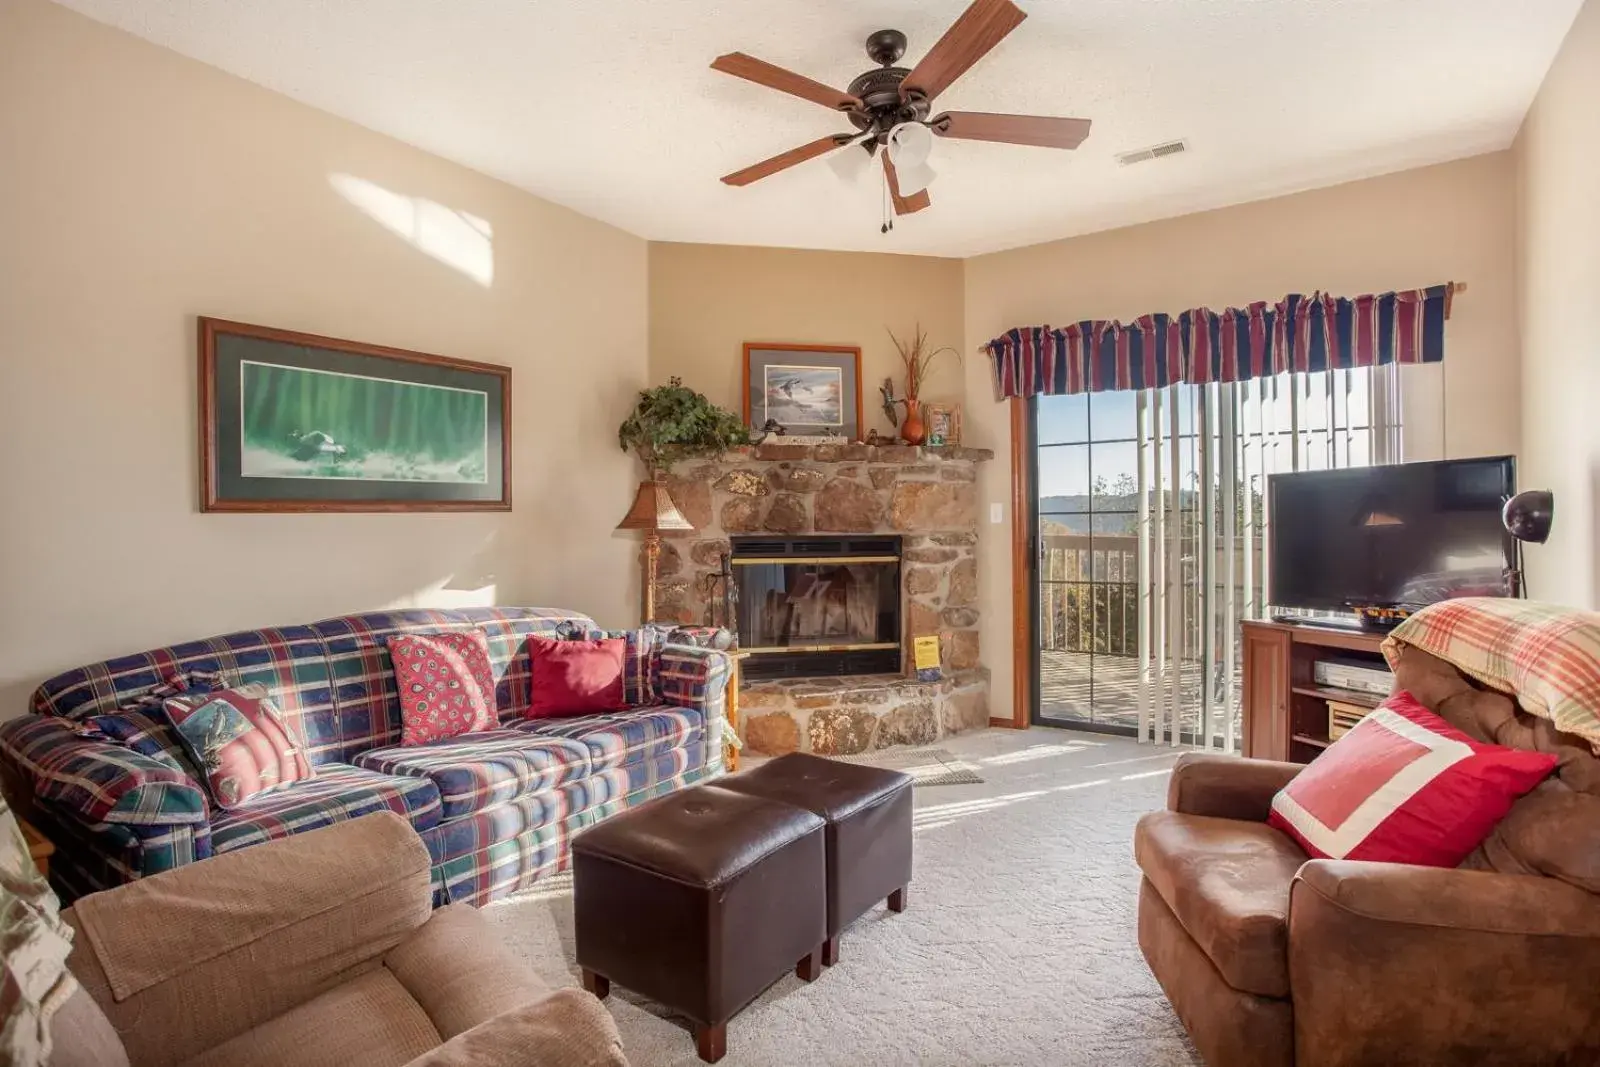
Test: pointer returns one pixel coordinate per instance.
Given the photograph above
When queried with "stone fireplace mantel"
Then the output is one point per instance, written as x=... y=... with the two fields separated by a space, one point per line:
x=927 y=496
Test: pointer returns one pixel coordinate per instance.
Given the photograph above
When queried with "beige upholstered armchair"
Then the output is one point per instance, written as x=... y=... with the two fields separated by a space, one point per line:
x=319 y=950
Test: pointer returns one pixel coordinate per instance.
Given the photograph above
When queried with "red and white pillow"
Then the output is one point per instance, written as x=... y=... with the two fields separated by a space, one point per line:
x=1404 y=786
x=445 y=683
x=239 y=741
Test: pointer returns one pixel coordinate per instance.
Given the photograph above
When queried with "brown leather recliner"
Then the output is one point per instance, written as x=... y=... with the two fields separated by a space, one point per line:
x=1271 y=959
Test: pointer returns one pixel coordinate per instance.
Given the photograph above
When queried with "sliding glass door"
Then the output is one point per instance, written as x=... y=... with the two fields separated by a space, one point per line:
x=1150 y=538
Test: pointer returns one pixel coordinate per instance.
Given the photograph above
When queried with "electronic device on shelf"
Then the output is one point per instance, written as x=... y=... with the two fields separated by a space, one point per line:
x=1383 y=542
x=1343 y=674
x=1342 y=718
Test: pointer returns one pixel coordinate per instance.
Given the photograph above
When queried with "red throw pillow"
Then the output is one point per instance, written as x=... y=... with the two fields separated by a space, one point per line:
x=237 y=737
x=1404 y=786
x=575 y=677
x=445 y=683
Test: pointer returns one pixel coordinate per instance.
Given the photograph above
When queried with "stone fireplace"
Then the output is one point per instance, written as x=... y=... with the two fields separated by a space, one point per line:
x=832 y=545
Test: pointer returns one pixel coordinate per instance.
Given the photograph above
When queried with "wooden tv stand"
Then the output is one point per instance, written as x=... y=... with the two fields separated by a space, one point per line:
x=1285 y=710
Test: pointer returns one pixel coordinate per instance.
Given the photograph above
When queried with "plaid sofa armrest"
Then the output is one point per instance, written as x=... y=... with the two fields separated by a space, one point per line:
x=690 y=677
x=99 y=781
x=695 y=678
x=92 y=857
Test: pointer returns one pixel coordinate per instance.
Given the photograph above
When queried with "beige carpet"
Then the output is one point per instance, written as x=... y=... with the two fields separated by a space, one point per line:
x=1018 y=947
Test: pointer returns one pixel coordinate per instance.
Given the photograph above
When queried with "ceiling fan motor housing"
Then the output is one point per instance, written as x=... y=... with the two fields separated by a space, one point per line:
x=879 y=90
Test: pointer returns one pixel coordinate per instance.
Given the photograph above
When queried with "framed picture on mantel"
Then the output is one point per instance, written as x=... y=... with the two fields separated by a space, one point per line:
x=806 y=389
x=297 y=422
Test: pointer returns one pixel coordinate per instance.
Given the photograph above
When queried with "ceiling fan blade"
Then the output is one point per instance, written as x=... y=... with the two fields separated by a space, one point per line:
x=785 y=160
x=980 y=27
x=785 y=81
x=903 y=205
x=1012 y=129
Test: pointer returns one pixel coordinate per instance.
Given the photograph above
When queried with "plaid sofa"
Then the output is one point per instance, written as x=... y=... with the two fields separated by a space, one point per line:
x=496 y=809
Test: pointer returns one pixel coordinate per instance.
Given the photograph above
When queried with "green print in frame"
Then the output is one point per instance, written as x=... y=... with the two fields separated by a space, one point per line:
x=297 y=422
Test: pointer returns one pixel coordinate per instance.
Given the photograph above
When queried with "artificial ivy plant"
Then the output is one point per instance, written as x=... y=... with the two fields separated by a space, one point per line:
x=672 y=423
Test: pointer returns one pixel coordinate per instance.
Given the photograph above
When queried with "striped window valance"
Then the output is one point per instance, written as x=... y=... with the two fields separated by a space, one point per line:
x=1299 y=333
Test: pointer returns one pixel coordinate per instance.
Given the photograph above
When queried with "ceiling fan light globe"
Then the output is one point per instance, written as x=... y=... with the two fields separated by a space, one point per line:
x=850 y=163
x=914 y=179
x=910 y=144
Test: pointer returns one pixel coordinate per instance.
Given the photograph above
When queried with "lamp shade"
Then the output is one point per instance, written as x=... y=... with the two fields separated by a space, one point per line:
x=850 y=162
x=654 y=511
x=910 y=144
x=915 y=178
x=1529 y=515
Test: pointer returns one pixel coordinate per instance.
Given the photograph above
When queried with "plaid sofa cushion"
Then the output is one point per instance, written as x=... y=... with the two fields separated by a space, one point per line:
x=1545 y=656
x=640 y=662
x=480 y=770
x=500 y=850
x=337 y=793
x=623 y=737
x=99 y=780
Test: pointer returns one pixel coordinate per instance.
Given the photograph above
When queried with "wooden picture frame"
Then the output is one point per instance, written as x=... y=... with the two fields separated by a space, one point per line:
x=405 y=431
x=943 y=422
x=801 y=361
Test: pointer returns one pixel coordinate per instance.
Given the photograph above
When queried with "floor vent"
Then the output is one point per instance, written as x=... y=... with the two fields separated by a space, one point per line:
x=1144 y=155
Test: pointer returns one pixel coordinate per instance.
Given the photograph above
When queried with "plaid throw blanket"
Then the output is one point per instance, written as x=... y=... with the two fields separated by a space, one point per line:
x=1545 y=656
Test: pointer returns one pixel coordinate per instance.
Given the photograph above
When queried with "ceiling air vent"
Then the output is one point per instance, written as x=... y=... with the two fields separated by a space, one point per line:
x=1144 y=155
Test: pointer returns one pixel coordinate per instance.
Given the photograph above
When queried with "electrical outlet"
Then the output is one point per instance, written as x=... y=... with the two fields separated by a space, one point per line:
x=997 y=514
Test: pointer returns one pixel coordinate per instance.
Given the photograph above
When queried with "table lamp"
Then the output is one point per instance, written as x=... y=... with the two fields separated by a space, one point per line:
x=653 y=512
x=1528 y=517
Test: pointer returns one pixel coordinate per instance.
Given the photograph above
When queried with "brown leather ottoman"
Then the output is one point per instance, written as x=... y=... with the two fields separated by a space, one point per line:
x=868 y=810
x=700 y=900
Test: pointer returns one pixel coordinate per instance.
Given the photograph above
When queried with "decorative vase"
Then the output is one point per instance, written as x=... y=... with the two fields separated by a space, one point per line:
x=912 y=431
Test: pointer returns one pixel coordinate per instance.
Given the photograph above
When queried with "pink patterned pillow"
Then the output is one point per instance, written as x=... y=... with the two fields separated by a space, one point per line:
x=446 y=686
x=239 y=740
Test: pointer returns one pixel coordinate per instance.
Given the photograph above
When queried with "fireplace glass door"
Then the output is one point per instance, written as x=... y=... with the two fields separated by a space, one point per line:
x=812 y=606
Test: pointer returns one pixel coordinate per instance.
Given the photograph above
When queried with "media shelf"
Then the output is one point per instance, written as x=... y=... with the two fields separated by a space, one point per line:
x=1285 y=710
x=1345 y=696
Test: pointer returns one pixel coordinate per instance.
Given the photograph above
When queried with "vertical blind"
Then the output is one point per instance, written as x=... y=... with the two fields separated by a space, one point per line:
x=1205 y=452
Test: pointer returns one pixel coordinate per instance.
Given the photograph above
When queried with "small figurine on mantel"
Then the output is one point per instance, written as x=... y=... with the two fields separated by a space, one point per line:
x=890 y=403
x=771 y=428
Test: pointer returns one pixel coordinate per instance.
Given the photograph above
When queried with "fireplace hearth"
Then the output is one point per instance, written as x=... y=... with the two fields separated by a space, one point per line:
x=818 y=606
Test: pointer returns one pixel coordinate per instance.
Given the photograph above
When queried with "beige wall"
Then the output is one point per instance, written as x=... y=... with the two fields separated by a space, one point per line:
x=1450 y=222
x=1558 y=269
x=706 y=301
x=139 y=189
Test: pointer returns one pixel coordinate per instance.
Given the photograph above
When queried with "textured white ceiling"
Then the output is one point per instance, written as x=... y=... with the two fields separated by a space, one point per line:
x=609 y=107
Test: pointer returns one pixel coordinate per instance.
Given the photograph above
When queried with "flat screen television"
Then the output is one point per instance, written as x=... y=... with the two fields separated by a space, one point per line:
x=1402 y=536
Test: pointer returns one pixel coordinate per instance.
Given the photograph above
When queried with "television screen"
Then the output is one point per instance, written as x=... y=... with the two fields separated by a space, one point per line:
x=1402 y=536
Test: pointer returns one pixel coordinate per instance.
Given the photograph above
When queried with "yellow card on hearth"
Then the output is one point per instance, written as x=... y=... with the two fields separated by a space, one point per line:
x=925 y=655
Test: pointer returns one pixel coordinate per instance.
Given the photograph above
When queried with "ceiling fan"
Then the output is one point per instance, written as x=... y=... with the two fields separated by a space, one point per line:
x=882 y=101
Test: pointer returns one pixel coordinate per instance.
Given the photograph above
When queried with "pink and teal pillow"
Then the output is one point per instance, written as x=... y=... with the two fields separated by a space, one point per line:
x=239 y=741
x=446 y=685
